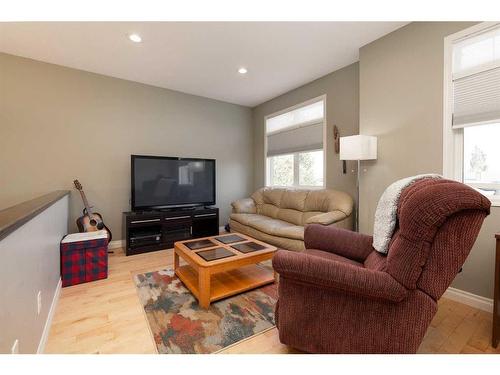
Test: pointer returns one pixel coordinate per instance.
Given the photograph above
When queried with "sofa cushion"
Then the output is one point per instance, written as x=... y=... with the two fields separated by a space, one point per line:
x=291 y=216
x=294 y=232
x=268 y=210
x=321 y=200
x=258 y=197
x=294 y=199
x=317 y=201
x=328 y=200
x=270 y=226
x=279 y=228
x=246 y=219
x=273 y=196
x=281 y=242
x=245 y=206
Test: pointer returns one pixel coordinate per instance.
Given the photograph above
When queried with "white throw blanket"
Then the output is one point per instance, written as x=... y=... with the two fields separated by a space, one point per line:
x=387 y=209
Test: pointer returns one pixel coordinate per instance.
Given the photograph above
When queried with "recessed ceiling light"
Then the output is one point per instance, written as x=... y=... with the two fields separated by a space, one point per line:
x=135 y=38
x=242 y=70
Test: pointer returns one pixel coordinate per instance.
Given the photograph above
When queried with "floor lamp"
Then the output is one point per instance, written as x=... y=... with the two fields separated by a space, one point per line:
x=358 y=147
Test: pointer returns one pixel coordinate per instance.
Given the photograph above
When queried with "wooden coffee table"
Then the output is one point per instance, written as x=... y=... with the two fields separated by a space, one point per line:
x=216 y=270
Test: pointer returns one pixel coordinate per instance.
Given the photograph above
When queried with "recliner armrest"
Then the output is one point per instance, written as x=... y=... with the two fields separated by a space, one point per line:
x=244 y=206
x=338 y=276
x=349 y=244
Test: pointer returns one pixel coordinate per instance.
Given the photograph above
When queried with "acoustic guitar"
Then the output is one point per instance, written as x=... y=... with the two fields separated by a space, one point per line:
x=89 y=221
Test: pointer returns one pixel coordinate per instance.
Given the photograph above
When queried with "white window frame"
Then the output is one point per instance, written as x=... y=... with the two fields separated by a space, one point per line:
x=295 y=164
x=453 y=139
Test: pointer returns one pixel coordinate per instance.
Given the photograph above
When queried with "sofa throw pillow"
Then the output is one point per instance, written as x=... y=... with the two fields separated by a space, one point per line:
x=387 y=209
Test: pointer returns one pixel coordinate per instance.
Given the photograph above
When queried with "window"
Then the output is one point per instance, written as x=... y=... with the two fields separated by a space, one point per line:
x=281 y=169
x=311 y=168
x=298 y=169
x=294 y=139
x=481 y=157
x=472 y=109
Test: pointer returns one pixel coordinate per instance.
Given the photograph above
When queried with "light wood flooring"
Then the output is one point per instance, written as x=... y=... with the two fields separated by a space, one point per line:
x=106 y=317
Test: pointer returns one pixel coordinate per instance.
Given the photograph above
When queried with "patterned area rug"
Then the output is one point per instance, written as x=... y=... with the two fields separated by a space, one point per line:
x=179 y=325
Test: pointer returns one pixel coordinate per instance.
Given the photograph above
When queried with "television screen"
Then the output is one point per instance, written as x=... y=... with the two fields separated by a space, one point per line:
x=169 y=182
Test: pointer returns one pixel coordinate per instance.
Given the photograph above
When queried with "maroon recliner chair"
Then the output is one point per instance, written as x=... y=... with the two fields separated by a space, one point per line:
x=342 y=296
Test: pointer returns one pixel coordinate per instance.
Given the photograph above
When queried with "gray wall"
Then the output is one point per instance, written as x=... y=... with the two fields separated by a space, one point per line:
x=30 y=263
x=342 y=109
x=401 y=102
x=58 y=124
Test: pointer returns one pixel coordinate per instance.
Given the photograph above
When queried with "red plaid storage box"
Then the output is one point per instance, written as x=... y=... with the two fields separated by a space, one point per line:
x=84 y=257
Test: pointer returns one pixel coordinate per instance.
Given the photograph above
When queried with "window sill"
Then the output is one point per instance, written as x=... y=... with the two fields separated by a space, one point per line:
x=483 y=189
x=495 y=202
x=298 y=187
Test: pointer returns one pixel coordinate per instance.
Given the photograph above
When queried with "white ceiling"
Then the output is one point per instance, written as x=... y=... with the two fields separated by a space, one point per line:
x=200 y=58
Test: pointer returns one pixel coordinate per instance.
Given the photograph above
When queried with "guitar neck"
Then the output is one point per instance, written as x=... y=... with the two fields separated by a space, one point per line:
x=85 y=203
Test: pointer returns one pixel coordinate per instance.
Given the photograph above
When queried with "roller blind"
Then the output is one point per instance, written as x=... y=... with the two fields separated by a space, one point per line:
x=476 y=79
x=477 y=98
x=305 y=138
x=300 y=129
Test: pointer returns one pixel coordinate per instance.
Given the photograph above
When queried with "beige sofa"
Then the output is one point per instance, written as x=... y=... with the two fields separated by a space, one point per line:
x=278 y=216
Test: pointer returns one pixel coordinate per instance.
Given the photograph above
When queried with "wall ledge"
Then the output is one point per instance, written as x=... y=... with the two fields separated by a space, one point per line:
x=12 y=218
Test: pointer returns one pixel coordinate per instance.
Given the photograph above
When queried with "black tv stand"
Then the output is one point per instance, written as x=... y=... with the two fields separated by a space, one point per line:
x=146 y=231
x=176 y=209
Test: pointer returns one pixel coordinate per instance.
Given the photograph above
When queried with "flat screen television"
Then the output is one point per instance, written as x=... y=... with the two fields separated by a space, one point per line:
x=168 y=182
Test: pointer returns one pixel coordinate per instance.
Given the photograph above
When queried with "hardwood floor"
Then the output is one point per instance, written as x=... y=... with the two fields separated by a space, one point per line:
x=105 y=317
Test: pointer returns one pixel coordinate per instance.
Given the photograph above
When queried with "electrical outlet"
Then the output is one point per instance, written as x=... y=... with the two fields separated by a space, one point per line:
x=15 y=347
x=39 y=301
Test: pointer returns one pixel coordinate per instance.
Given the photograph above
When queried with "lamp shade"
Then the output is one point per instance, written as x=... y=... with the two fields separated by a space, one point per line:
x=358 y=147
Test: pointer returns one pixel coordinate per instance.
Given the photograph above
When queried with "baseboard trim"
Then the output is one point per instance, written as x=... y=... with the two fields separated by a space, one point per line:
x=48 y=322
x=470 y=299
x=116 y=244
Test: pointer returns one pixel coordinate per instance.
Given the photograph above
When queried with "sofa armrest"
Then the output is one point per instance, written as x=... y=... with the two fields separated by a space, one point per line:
x=349 y=244
x=327 y=218
x=244 y=206
x=338 y=276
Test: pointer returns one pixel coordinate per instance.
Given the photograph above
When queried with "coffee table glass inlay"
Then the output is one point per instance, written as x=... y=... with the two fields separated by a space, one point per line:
x=199 y=244
x=215 y=254
x=216 y=272
x=231 y=238
x=248 y=247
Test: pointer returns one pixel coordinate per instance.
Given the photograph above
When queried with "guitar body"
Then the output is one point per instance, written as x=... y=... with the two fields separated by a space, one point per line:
x=90 y=221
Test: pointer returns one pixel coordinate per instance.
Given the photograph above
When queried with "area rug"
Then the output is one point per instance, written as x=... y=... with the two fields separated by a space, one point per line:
x=179 y=325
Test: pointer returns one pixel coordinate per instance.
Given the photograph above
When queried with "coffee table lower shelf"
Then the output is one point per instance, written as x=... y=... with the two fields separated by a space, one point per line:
x=225 y=284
